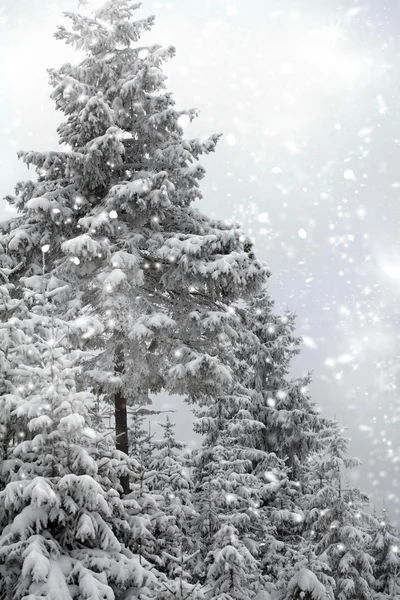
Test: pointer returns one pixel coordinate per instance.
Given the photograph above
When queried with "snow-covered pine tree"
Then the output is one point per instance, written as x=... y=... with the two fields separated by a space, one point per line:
x=147 y=517
x=64 y=532
x=293 y=425
x=385 y=550
x=226 y=500
x=140 y=435
x=336 y=521
x=292 y=428
x=218 y=462
x=149 y=511
x=233 y=572
x=237 y=453
x=115 y=206
x=172 y=481
x=303 y=574
x=140 y=441
x=229 y=478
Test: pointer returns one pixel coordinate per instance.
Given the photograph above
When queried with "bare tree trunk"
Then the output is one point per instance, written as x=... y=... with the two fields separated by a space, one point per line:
x=121 y=419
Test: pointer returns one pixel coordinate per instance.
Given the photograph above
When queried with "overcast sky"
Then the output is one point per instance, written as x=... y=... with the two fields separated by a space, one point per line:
x=306 y=95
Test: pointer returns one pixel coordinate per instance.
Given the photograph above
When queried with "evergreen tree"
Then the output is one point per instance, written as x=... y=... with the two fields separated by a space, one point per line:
x=171 y=480
x=140 y=436
x=233 y=572
x=229 y=478
x=336 y=520
x=292 y=429
x=292 y=424
x=65 y=534
x=303 y=565
x=223 y=467
x=249 y=471
x=385 y=550
x=115 y=206
x=141 y=443
x=149 y=513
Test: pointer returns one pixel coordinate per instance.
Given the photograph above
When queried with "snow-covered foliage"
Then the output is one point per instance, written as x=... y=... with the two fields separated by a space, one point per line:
x=64 y=530
x=304 y=584
x=292 y=424
x=11 y=347
x=171 y=480
x=114 y=207
x=233 y=573
x=229 y=476
x=113 y=286
x=385 y=550
x=337 y=522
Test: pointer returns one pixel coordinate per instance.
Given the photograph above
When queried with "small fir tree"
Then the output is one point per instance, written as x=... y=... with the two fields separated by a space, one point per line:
x=172 y=481
x=66 y=534
x=292 y=424
x=385 y=550
x=337 y=522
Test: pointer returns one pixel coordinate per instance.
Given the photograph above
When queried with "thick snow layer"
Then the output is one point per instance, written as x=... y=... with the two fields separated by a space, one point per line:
x=306 y=581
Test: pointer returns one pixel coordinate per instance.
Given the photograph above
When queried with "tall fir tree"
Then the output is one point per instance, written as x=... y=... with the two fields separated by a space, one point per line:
x=115 y=206
x=172 y=480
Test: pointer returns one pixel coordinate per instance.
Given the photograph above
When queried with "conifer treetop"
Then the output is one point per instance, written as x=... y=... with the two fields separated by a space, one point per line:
x=115 y=204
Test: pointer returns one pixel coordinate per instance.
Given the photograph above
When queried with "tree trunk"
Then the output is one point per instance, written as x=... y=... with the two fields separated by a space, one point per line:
x=121 y=419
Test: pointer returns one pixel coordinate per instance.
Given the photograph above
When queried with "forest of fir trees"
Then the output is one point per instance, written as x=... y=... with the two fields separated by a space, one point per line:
x=114 y=287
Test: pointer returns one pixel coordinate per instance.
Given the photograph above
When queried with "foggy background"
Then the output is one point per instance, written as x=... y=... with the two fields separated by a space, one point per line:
x=306 y=95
